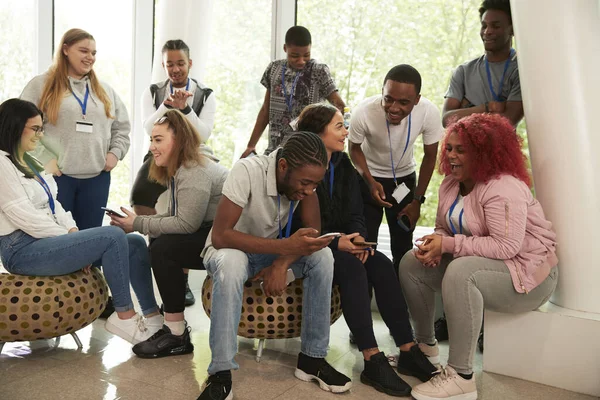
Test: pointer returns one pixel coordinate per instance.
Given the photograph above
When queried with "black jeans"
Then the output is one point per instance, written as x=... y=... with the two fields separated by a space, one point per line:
x=353 y=278
x=401 y=241
x=169 y=255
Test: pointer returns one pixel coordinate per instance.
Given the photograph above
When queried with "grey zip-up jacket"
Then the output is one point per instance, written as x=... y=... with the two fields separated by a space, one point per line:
x=81 y=155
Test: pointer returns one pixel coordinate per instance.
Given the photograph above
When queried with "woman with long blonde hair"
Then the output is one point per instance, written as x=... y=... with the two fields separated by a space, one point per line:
x=87 y=127
x=194 y=183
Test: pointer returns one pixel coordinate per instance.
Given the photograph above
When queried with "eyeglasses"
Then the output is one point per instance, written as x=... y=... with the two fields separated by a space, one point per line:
x=38 y=130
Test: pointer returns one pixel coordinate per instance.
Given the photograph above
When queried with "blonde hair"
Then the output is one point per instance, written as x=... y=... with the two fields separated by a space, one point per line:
x=57 y=82
x=185 y=149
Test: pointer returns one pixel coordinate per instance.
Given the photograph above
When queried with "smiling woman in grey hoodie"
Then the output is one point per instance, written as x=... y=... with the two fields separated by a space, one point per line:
x=86 y=130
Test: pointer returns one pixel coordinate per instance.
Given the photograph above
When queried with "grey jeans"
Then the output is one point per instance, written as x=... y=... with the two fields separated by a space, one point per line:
x=468 y=284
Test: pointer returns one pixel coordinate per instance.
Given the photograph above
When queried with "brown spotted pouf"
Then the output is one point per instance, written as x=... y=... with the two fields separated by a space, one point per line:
x=271 y=317
x=36 y=307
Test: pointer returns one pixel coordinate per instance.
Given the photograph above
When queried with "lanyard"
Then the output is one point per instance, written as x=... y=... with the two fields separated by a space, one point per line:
x=489 y=76
x=288 y=101
x=83 y=103
x=405 y=146
x=288 y=228
x=173 y=202
x=44 y=185
x=460 y=216
x=187 y=86
x=331 y=168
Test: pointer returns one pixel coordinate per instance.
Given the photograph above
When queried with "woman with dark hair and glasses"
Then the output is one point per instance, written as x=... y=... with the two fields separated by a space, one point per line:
x=194 y=183
x=357 y=266
x=38 y=237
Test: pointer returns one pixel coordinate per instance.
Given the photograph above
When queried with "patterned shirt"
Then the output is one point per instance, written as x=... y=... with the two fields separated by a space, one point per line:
x=313 y=85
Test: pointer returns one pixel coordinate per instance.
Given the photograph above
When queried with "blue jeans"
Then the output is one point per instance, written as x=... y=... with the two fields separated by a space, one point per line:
x=84 y=197
x=231 y=268
x=123 y=258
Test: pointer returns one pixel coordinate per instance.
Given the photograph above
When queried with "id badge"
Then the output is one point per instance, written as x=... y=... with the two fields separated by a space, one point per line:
x=400 y=192
x=84 y=127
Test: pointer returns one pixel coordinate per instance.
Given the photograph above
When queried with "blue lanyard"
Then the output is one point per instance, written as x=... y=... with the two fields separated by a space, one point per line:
x=83 y=103
x=460 y=216
x=173 y=202
x=288 y=228
x=186 y=86
x=44 y=185
x=331 y=168
x=489 y=76
x=289 y=101
x=405 y=146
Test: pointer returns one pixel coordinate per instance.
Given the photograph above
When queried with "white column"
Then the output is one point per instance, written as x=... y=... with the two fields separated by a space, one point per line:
x=190 y=21
x=141 y=68
x=559 y=59
x=283 y=18
x=45 y=35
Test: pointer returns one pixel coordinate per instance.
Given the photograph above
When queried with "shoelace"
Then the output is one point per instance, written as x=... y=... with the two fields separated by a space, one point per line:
x=141 y=324
x=441 y=377
x=393 y=360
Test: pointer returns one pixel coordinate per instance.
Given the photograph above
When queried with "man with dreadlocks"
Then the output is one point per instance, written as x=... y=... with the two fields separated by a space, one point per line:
x=251 y=238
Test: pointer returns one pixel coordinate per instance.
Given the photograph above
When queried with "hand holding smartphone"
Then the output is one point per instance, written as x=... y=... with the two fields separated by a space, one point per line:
x=113 y=212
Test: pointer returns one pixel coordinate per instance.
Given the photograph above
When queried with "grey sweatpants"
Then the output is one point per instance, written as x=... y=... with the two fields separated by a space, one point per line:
x=468 y=284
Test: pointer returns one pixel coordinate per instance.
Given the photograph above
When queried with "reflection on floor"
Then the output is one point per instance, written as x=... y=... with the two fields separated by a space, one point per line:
x=107 y=369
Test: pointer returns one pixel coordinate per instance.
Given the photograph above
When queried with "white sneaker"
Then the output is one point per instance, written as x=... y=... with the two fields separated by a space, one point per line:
x=133 y=330
x=431 y=352
x=446 y=385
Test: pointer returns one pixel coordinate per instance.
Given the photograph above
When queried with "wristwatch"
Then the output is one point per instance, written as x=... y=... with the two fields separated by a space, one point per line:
x=421 y=199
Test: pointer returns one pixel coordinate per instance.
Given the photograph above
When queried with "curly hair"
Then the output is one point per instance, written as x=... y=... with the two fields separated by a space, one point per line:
x=493 y=147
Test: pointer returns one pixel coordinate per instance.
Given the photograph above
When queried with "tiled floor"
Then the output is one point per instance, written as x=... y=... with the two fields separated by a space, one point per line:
x=107 y=369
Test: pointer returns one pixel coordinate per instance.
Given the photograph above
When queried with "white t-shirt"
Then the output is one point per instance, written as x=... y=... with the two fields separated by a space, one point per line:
x=368 y=128
x=456 y=217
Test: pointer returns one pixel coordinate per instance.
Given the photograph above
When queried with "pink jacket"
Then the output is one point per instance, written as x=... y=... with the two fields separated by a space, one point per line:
x=507 y=224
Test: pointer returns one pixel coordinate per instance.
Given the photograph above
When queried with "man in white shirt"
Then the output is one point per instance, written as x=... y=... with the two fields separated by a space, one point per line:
x=190 y=97
x=383 y=131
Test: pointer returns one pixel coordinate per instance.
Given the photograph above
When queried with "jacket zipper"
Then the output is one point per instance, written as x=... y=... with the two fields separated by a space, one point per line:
x=506 y=210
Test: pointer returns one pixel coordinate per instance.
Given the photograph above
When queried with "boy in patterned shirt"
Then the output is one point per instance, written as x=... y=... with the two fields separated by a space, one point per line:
x=292 y=84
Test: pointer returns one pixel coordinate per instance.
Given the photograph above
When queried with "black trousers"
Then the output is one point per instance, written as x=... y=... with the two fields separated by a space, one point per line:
x=169 y=255
x=401 y=241
x=353 y=278
x=144 y=191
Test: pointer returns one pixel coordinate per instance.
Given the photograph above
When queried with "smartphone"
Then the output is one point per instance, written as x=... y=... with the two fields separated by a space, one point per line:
x=404 y=223
x=365 y=243
x=331 y=234
x=113 y=212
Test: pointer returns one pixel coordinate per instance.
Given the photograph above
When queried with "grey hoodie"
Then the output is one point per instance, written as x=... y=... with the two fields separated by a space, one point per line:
x=81 y=155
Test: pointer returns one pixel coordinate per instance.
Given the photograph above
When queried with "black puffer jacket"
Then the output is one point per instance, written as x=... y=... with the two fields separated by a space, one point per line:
x=344 y=212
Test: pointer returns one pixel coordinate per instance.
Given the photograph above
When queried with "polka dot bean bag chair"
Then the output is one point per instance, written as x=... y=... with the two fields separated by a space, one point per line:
x=36 y=307
x=271 y=317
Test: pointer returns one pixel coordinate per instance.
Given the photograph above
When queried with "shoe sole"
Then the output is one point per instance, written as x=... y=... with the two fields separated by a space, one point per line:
x=176 y=351
x=303 y=376
x=377 y=386
x=465 y=396
x=421 y=377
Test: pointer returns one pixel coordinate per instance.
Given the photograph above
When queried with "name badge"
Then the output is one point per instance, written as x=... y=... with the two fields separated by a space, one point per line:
x=84 y=127
x=400 y=192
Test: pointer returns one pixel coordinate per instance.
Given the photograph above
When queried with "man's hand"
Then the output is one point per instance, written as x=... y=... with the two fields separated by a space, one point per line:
x=497 y=107
x=52 y=167
x=247 y=152
x=413 y=212
x=124 y=223
x=273 y=277
x=305 y=242
x=111 y=162
x=378 y=194
x=74 y=229
x=178 y=99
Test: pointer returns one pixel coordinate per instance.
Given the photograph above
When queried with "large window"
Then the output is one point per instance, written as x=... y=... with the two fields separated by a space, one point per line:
x=17 y=49
x=367 y=38
x=239 y=53
x=111 y=24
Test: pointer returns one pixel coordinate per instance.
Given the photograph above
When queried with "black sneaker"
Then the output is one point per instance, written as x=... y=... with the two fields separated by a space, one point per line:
x=441 y=329
x=217 y=387
x=189 y=296
x=415 y=363
x=163 y=343
x=110 y=308
x=329 y=379
x=380 y=374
